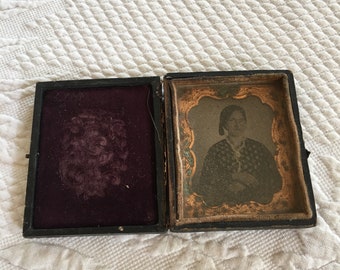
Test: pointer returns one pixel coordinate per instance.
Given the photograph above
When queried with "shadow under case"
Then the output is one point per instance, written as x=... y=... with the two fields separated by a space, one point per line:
x=144 y=155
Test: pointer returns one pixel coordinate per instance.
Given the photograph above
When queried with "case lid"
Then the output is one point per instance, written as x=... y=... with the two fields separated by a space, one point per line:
x=96 y=160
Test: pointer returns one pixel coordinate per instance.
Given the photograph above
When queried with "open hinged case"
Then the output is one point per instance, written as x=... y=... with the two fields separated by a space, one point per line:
x=195 y=152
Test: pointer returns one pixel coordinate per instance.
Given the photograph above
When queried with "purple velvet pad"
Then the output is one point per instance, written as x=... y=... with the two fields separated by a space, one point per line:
x=96 y=162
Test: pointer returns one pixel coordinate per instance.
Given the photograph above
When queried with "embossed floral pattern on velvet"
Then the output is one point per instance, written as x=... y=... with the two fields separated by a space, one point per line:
x=96 y=158
x=94 y=153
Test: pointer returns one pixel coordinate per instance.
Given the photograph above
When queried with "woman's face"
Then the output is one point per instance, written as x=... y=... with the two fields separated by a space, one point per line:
x=236 y=124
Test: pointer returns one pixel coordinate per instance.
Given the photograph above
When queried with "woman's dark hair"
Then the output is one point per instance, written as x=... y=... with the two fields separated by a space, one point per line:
x=94 y=153
x=225 y=115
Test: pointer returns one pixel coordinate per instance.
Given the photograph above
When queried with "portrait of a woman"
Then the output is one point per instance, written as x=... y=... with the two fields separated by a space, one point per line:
x=237 y=169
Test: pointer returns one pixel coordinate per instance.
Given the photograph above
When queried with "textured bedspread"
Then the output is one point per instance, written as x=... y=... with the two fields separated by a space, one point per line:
x=63 y=39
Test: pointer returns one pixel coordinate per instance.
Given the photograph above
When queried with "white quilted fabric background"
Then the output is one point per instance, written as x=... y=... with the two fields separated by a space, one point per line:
x=63 y=39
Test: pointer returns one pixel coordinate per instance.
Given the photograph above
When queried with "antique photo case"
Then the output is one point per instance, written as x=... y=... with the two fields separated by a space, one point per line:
x=237 y=157
x=191 y=152
x=96 y=158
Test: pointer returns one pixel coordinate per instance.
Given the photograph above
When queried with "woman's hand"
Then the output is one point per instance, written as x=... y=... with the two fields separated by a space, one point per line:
x=245 y=179
x=236 y=187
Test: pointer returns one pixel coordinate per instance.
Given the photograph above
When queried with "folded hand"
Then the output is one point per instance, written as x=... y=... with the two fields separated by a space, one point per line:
x=245 y=179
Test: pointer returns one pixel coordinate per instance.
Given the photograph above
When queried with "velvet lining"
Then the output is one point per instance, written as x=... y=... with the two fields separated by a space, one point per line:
x=96 y=162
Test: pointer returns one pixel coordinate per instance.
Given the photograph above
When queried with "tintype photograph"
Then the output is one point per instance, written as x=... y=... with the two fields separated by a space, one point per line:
x=238 y=155
x=239 y=167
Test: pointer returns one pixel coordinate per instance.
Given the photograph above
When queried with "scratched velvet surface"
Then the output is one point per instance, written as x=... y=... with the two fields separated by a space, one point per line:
x=128 y=201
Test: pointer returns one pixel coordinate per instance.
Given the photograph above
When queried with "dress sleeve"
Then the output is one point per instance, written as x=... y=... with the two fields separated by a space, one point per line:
x=214 y=179
x=268 y=176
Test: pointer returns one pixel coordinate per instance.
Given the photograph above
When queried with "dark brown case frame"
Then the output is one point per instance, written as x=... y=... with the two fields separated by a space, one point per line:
x=175 y=159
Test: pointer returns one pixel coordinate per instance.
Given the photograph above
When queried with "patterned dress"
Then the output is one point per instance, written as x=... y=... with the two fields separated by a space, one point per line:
x=223 y=162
